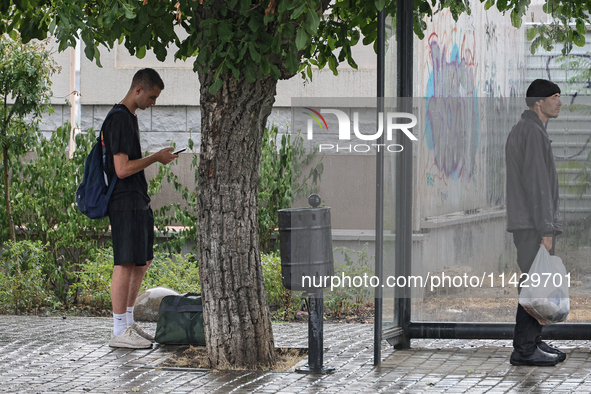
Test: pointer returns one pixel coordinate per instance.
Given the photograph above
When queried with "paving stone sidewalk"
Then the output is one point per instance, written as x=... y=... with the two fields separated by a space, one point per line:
x=56 y=355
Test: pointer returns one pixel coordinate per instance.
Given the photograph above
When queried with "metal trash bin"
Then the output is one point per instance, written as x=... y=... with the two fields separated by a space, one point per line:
x=305 y=242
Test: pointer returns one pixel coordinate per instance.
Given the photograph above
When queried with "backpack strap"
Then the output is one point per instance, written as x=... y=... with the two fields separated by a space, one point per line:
x=111 y=185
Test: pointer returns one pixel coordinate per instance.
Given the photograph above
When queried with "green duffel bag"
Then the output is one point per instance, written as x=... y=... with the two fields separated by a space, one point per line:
x=180 y=320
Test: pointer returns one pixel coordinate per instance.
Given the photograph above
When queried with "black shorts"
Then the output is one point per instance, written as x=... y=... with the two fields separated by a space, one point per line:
x=133 y=236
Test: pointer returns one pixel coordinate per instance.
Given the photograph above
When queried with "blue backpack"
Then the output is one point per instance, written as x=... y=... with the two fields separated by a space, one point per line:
x=93 y=194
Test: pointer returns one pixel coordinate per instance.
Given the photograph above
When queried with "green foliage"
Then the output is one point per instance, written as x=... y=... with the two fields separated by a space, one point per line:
x=274 y=184
x=277 y=294
x=281 y=179
x=306 y=170
x=244 y=40
x=348 y=296
x=93 y=287
x=285 y=301
x=25 y=71
x=25 y=90
x=175 y=271
x=562 y=29
x=337 y=302
x=23 y=284
x=44 y=210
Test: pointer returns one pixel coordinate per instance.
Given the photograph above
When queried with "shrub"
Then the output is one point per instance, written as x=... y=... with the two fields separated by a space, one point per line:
x=176 y=271
x=172 y=270
x=344 y=298
x=23 y=285
x=285 y=301
x=281 y=179
x=43 y=207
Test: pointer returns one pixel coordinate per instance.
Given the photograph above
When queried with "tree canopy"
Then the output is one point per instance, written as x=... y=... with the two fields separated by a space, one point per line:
x=249 y=37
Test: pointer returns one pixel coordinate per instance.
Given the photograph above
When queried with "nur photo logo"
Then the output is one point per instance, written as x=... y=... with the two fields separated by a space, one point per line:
x=393 y=121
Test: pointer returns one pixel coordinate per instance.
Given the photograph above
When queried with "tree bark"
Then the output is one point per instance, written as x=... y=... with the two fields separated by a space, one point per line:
x=237 y=320
x=7 y=194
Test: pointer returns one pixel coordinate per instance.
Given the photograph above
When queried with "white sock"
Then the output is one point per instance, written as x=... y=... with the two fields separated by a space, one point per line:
x=119 y=323
x=129 y=316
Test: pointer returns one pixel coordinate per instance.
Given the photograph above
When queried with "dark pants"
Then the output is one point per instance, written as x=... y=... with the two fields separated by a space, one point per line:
x=528 y=331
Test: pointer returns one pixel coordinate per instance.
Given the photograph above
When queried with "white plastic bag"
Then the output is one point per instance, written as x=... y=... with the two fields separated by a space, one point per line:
x=544 y=293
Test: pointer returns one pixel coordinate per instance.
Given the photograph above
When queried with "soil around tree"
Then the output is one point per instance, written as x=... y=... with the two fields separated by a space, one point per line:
x=196 y=357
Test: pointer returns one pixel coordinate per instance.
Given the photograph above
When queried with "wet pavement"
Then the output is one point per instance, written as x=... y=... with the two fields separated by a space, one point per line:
x=56 y=355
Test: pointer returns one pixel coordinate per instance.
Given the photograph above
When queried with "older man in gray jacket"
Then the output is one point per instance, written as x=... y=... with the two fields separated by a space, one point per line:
x=533 y=214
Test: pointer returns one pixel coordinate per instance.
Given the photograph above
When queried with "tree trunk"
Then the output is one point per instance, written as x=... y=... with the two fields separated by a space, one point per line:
x=7 y=194
x=237 y=320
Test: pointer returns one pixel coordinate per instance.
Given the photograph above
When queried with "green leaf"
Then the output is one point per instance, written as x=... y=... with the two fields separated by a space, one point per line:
x=141 y=52
x=253 y=53
x=332 y=64
x=129 y=14
x=516 y=19
x=578 y=39
x=265 y=66
x=254 y=24
x=531 y=33
x=581 y=29
x=225 y=31
x=380 y=4
x=291 y=62
x=299 y=10
x=216 y=86
x=89 y=51
x=275 y=72
x=235 y=71
x=312 y=22
x=301 y=38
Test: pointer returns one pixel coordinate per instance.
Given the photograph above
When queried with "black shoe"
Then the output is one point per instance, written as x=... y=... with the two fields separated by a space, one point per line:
x=552 y=350
x=538 y=359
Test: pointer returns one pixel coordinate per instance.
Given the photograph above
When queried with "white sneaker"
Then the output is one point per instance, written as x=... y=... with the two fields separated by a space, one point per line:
x=136 y=327
x=130 y=339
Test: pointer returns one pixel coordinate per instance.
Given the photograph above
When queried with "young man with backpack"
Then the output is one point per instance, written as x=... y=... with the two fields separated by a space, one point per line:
x=132 y=221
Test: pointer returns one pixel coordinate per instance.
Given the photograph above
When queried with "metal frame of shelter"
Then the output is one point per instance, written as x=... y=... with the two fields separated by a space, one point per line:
x=400 y=335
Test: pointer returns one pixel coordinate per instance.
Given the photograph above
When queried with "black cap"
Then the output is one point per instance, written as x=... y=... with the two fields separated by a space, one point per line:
x=540 y=88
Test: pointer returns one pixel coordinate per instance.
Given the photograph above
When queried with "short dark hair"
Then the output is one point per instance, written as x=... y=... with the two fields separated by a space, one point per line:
x=540 y=89
x=147 y=78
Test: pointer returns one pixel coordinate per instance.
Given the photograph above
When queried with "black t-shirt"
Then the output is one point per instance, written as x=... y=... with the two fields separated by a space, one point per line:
x=121 y=134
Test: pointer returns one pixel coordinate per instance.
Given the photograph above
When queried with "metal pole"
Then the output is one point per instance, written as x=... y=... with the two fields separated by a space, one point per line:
x=315 y=330
x=446 y=330
x=315 y=335
x=403 y=242
x=379 y=268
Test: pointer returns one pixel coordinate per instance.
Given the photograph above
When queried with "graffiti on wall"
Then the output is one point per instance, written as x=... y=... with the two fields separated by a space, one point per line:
x=462 y=150
x=451 y=131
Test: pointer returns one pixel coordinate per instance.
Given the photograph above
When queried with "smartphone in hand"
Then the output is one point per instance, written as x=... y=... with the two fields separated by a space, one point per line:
x=179 y=151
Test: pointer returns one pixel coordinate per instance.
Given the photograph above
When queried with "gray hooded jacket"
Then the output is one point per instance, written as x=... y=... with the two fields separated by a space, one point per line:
x=532 y=181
